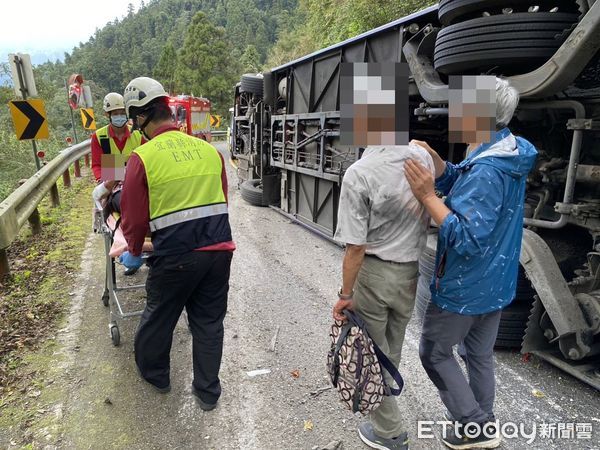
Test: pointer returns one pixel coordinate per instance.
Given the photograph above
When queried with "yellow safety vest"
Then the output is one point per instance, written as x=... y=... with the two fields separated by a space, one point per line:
x=184 y=184
x=109 y=146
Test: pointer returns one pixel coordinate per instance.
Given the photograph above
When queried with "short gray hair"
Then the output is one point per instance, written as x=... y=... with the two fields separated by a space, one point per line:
x=507 y=99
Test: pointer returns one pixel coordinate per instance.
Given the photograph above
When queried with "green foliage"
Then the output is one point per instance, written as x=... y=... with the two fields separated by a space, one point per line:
x=294 y=40
x=317 y=24
x=250 y=60
x=334 y=20
x=133 y=46
x=205 y=63
x=164 y=70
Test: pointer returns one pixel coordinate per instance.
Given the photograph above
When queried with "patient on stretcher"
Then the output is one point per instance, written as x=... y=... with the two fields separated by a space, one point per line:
x=109 y=206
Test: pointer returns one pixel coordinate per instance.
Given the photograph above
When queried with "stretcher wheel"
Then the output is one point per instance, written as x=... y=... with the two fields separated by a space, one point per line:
x=105 y=297
x=115 y=335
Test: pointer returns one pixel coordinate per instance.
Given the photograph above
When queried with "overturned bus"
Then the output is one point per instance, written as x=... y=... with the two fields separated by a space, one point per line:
x=286 y=139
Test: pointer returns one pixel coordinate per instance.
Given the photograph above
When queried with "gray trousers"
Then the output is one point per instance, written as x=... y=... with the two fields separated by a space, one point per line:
x=467 y=401
x=384 y=297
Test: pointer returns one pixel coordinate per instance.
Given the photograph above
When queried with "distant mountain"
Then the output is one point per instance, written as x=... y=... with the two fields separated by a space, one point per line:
x=37 y=56
x=40 y=57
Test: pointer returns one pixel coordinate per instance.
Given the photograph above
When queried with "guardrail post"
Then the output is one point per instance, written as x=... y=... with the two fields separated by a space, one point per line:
x=35 y=222
x=54 y=199
x=87 y=160
x=34 y=218
x=77 y=169
x=4 y=267
x=67 y=178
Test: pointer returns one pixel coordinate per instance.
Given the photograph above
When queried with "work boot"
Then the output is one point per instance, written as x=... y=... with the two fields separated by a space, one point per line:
x=483 y=435
x=368 y=436
x=161 y=390
x=204 y=406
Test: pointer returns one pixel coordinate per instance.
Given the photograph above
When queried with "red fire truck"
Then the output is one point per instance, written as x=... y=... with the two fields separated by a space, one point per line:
x=192 y=115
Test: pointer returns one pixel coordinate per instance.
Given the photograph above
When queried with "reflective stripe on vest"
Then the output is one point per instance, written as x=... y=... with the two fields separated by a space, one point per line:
x=184 y=179
x=186 y=215
x=133 y=141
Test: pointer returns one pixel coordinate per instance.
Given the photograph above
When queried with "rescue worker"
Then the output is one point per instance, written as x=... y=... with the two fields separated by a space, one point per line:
x=176 y=186
x=115 y=139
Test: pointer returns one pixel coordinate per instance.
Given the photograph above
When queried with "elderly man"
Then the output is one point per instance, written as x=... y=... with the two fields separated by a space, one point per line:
x=384 y=229
x=480 y=230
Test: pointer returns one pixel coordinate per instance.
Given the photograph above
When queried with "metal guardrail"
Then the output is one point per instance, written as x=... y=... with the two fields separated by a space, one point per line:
x=21 y=206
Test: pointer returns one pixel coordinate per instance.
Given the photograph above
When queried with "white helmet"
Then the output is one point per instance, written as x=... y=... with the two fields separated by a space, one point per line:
x=141 y=91
x=113 y=101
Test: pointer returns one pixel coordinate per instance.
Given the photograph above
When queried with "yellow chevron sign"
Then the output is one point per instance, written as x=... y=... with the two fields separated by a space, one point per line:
x=29 y=118
x=87 y=118
x=215 y=121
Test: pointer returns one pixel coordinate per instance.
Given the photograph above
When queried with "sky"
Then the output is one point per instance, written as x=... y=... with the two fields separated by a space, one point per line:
x=54 y=26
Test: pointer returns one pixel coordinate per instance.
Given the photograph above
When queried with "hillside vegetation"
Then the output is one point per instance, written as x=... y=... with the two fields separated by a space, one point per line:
x=198 y=47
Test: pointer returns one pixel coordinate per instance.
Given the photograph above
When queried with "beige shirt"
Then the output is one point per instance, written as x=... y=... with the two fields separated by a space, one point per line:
x=378 y=208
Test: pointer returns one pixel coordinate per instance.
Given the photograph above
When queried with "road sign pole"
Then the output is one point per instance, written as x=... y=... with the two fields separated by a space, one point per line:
x=35 y=155
x=72 y=116
x=23 y=89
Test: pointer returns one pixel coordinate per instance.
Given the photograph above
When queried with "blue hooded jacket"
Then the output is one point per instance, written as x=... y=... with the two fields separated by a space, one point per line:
x=479 y=243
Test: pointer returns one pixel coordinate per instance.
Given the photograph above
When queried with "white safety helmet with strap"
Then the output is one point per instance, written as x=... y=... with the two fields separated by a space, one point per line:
x=141 y=91
x=113 y=101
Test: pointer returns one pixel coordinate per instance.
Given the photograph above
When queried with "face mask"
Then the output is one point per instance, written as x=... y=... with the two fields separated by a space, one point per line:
x=118 y=121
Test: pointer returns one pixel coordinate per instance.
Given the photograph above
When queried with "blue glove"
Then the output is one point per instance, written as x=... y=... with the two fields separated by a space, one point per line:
x=130 y=261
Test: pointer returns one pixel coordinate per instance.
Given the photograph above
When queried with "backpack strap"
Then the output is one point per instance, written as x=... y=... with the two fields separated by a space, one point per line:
x=383 y=359
x=105 y=144
x=392 y=370
x=336 y=355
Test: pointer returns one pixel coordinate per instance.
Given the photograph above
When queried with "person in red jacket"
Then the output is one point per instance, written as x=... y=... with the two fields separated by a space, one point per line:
x=112 y=145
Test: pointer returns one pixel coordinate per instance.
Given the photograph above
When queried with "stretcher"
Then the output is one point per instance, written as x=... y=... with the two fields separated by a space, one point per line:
x=114 y=246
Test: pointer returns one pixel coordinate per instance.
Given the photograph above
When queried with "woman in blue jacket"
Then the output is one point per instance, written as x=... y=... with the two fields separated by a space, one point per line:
x=480 y=229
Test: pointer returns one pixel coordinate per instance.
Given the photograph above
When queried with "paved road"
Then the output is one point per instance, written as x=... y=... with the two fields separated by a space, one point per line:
x=283 y=278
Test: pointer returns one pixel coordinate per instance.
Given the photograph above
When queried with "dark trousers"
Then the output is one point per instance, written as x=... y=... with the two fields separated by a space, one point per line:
x=467 y=401
x=198 y=281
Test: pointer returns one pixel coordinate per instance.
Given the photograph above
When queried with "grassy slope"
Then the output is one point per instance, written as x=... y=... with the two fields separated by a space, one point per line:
x=32 y=307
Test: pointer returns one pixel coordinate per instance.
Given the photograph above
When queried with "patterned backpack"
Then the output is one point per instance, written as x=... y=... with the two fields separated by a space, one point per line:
x=354 y=365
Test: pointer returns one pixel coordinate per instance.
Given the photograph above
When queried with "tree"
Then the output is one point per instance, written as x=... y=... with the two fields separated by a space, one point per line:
x=164 y=71
x=205 y=65
x=250 y=60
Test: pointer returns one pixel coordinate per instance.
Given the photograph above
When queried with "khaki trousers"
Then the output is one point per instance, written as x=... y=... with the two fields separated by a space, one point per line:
x=384 y=297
